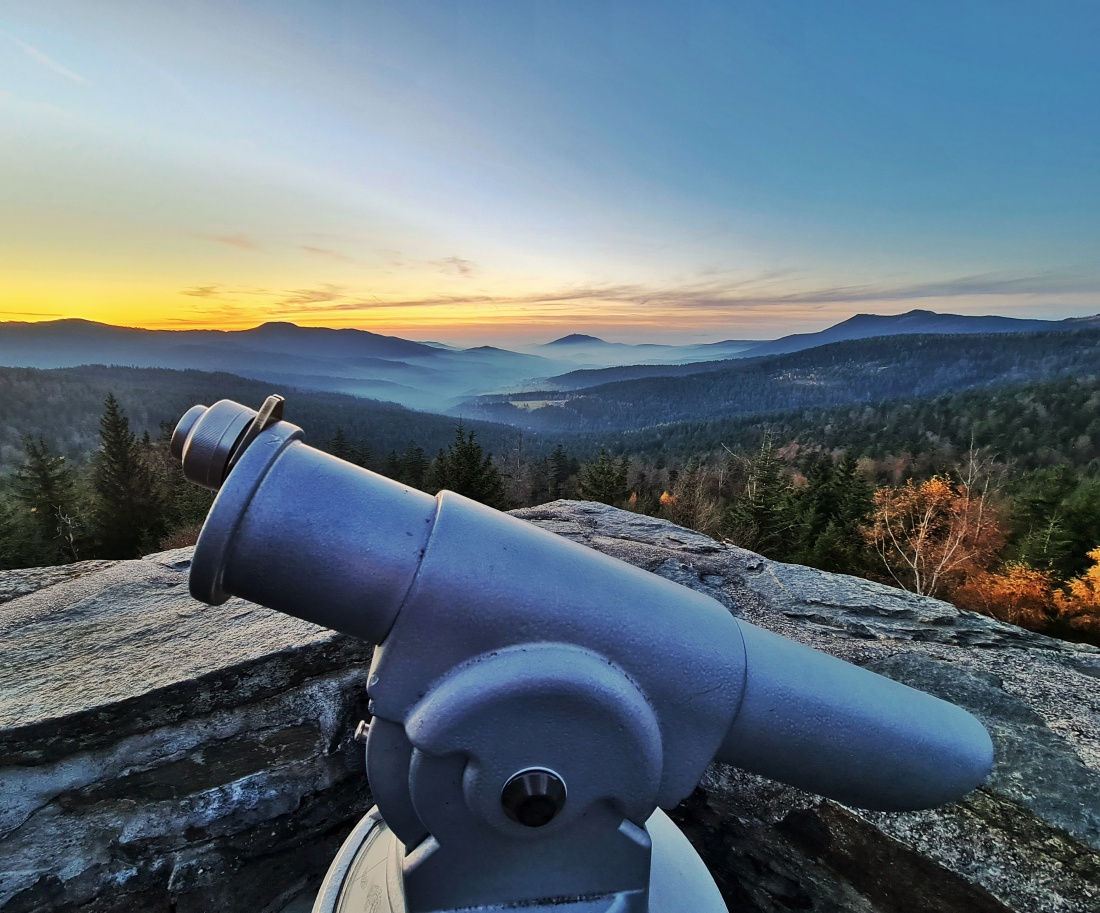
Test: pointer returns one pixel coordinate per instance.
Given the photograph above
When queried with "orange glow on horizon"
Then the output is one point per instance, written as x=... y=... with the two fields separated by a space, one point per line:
x=148 y=304
x=462 y=313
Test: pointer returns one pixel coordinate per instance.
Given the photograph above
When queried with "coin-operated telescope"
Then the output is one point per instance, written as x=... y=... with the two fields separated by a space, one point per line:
x=535 y=703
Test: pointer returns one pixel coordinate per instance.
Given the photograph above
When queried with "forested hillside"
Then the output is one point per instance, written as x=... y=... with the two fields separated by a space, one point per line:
x=861 y=371
x=1031 y=424
x=64 y=406
x=988 y=496
x=596 y=377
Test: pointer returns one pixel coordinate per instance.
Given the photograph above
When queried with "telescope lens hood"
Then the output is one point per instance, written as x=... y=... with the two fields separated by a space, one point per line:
x=183 y=429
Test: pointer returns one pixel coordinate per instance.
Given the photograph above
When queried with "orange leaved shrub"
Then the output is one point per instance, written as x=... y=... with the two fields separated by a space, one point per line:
x=1027 y=597
x=933 y=535
x=1078 y=605
x=1019 y=594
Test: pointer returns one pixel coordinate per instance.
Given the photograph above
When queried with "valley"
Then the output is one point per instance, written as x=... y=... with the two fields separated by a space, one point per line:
x=806 y=456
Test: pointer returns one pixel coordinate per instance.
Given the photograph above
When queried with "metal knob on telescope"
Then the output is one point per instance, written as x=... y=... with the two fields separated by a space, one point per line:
x=533 y=797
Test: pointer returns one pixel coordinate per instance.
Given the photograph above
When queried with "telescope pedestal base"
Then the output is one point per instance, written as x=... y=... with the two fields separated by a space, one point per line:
x=366 y=876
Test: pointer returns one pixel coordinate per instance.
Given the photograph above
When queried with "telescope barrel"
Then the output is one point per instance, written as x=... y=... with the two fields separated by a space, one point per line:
x=813 y=721
x=303 y=532
x=300 y=531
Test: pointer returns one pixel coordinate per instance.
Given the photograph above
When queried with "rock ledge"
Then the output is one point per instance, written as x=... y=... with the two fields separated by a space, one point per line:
x=158 y=753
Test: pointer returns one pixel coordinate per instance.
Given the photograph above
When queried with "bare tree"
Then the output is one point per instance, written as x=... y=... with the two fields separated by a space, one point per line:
x=931 y=535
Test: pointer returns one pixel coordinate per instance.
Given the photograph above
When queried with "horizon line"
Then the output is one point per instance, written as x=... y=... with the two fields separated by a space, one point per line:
x=204 y=327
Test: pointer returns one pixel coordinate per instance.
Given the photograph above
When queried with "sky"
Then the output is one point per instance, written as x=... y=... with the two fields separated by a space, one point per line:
x=500 y=172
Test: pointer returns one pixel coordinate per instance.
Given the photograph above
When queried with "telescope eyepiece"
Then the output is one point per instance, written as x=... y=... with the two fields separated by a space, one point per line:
x=210 y=440
x=183 y=429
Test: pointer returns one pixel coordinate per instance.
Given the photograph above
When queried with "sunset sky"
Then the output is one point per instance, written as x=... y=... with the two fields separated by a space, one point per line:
x=509 y=172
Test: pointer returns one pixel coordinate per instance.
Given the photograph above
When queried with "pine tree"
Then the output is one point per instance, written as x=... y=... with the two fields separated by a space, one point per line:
x=413 y=466
x=392 y=467
x=185 y=505
x=339 y=447
x=362 y=455
x=606 y=480
x=466 y=470
x=829 y=515
x=128 y=514
x=45 y=488
x=1078 y=519
x=561 y=468
x=20 y=543
x=761 y=519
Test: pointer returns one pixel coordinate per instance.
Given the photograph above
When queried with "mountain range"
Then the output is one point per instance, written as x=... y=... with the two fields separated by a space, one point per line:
x=866 y=326
x=852 y=371
x=435 y=376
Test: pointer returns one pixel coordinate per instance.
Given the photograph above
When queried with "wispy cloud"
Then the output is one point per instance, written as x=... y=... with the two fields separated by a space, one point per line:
x=773 y=289
x=986 y=284
x=327 y=254
x=312 y=296
x=241 y=242
x=358 y=303
x=455 y=266
x=216 y=315
x=31 y=51
x=449 y=266
x=763 y=301
x=202 y=291
x=29 y=314
x=392 y=257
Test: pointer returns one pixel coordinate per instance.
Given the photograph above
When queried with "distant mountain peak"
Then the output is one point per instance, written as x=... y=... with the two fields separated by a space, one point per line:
x=863 y=326
x=915 y=314
x=278 y=325
x=574 y=339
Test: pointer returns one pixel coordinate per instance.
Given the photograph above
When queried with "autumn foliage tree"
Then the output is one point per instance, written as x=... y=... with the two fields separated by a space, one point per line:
x=1078 y=605
x=1030 y=598
x=932 y=535
x=1018 y=594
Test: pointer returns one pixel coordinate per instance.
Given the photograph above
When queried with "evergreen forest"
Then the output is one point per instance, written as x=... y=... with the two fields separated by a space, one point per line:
x=855 y=371
x=987 y=496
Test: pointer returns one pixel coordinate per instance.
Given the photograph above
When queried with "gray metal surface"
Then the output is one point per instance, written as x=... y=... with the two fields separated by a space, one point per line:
x=206 y=441
x=366 y=876
x=312 y=536
x=835 y=729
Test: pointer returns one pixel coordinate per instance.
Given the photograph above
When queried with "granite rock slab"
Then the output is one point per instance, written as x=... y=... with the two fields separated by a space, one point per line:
x=156 y=753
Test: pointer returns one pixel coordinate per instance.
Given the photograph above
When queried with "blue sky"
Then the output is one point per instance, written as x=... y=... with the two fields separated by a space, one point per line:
x=482 y=171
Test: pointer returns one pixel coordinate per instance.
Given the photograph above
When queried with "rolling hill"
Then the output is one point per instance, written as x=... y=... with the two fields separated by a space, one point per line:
x=856 y=371
x=64 y=406
x=437 y=377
